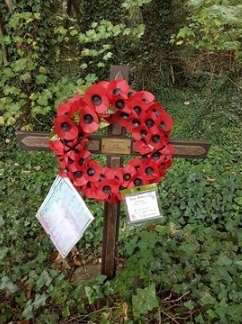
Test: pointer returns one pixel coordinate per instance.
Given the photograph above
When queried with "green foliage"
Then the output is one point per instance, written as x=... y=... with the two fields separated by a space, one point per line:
x=50 y=58
x=213 y=26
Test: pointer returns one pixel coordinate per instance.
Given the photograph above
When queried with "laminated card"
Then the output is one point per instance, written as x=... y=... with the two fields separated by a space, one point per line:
x=64 y=215
x=142 y=204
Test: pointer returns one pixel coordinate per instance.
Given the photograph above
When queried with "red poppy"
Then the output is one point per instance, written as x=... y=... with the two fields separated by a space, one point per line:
x=108 y=190
x=137 y=181
x=76 y=159
x=120 y=103
x=65 y=128
x=150 y=171
x=61 y=163
x=118 y=88
x=62 y=173
x=77 y=176
x=88 y=120
x=150 y=121
x=93 y=171
x=76 y=102
x=128 y=174
x=140 y=133
x=144 y=96
x=96 y=97
x=136 y=163
x=142 y=147
x=90 y=190
x=166 y=122
x=122 y=118
x=104 y=84
x=70 y=159
x=57 y=147
x=131 y=92
x=138 y=107
x=64 y=109
x=166 y=152
x=69 y=107
x=83 y=156
x=156 y=140
x=110 y=173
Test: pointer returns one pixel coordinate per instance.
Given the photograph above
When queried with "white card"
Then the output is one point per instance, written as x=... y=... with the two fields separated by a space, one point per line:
x=64 y=215
x=142 y=206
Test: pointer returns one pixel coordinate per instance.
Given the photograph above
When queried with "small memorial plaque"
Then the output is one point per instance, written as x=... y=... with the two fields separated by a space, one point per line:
x=142 y=204
x=116 y=145
x=64 y=215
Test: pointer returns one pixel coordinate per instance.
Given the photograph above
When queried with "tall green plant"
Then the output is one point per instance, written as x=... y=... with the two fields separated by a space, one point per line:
x=213 y=26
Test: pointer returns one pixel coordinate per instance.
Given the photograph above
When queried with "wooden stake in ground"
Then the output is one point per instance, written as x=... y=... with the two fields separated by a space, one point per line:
x=113 y=146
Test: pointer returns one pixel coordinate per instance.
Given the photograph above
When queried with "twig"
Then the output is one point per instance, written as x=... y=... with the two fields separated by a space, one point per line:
x=170 y=317
x=159 y=315
x=89 y=314
x=175 y=300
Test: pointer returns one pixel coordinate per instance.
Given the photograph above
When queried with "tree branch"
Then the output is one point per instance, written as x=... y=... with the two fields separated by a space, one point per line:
x=73 y=6
x=4 y=50
x=9 y=4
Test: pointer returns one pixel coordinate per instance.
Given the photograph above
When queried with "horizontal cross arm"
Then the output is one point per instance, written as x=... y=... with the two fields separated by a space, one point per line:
x=114 y=145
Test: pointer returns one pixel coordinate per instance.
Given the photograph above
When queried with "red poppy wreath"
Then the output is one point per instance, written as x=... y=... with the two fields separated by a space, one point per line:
x=115 y=102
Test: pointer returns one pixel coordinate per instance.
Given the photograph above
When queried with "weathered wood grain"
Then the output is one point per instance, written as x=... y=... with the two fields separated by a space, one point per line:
x=183 y=148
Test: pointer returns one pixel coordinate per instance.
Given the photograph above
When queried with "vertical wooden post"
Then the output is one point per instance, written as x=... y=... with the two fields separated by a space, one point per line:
x=112 y=211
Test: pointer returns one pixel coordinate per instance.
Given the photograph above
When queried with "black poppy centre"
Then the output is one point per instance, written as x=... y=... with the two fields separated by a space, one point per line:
x=65 y=126
x=149 y=123
x=78 y=174
x=119 y=104
x=136 y=123
x=96 y=100
x=138 y=182
x=156 y=138
x=156 y=156
x=70 y=161
x=88 y=119
x=127 y=176
x=125 y=115
x=143 y=133
x=137 y=109
x=91 y=172
x=107 y=189
x=149 y=171
x=116 y=91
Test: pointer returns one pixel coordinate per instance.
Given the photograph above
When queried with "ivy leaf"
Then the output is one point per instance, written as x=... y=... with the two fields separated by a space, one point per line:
x=41 y=79
x=7 y=284
x=44 y=280
x=208 y=299
x=238 y=200
x=144 y=301
x=40 y=300
x=28 y=310
x=3 y=253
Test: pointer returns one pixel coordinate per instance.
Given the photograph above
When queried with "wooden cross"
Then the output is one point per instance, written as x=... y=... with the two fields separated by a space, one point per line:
x=113 y=146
